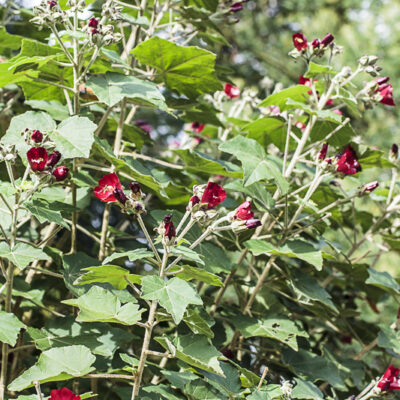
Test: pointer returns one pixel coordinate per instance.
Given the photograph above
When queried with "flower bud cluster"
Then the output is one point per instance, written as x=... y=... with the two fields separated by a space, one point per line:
x=111 y=10
x=48 y=12
x=368 y=64
x=315 y=48
x=8 y=152
x=100 y=34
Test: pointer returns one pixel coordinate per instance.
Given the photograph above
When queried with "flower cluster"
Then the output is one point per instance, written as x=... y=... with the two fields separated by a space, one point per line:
x=390 y=380
x=63 y=394
x=316 y=47
x=111 y=190
x=101 y=35
x=40 y=160
x=243 y=217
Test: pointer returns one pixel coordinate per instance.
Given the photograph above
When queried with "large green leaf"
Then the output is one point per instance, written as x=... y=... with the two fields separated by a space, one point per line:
x=274 y=327
x=383 y=280
x=113 y=87
x=10 y=326
x=269 y=392
x=22 y=254
x=389 y=338
x=256 y=164
x=192 y=273
x=195 y=350
x=56 y=364
x=133 y=255
x=188 y=70
x=43 y=211
x=100 y=305
x=296 y=93
x=74 y=137
x=306 y=390
x=174 y=295
x=292 y=248
x=197 y=324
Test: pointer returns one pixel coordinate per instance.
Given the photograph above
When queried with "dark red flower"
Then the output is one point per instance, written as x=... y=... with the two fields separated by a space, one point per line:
x=120 y=195
x=323 y=152
x=329 y=102
x=60 y=173
x=93 y=22
x=197 y=127
x=382 y=80
x=327 y=40
x=135 y=187
x=390 y=380
x=347 y=162
x=305 y=81
x=244 y=212
x=37 y=157
x=94 y=31
x=169 y=227
x=394 y=151
x=52 y=3
x=144 y=126
x=235 y=7
x=53 y=159
x=386 y=91
x=253 y=223
x=213 y=195
x=63 y=394
x=315 y=43
x=299 y=41
x=194 y=200
x=231 y=91
x=107 y=185
x=37 y=136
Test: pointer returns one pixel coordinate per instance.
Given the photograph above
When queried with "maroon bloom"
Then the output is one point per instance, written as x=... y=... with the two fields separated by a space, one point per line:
x=135 y=187
x=93 y=22
x=299 y=41
x=107 y=185
x=253 y=223
x=37 y=136
x=390 y=380
x=194 y=200
x=169 y=227
x=53 y=159
x=244 y=212
x=231 y=91
x=120 y=196
x=37 y=157
x=144 y=126
x=52 y=3
x=60 y=173
x=305 y=81
x=315 y=43
x=327 y=40
x=347 y=162
x=213 y=195
x=323 y=152
x=386 y=92
x=235 y=7
x=63 y=394
x=197 y=127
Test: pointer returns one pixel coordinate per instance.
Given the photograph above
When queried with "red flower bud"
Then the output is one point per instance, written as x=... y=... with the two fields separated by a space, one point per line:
x=347 y=162
x=394 y=151
x=169 y=227
x=305 y=81
x=194 y=200
x=144 y=126
x=120 y=195
x=94 y=31
x=107 y=185
x=213 y=195
x=54 y=158
x=300 y=125
x=370 y=187
x=37 y=136
x=197 y=127
x=52 y=3
x=37 y=158
x=135 y=187
x=299 y=41
x=315 y=43
x=93 y=22
x=231 y=91
x=382 y=80
x=244 y=212
x=167 y=218
x=386 y=91
x=327 y=40
x=235 y=7
x=253 y=223
x=60 y=173
x=390 y=380
x=63 y=394
x=323 y=152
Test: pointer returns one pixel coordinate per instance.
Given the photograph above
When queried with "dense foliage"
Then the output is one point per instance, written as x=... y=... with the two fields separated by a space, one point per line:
x=175 y=225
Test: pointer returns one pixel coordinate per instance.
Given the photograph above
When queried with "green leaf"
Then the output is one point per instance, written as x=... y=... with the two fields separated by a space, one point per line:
x=10 y=326
x=296 y=93
x=323 y=128
x=274 y=327
x=188 y=70
x=375 y=159
x=100 y=305
x=306 y=390
x=269 y=392
x=187 y=254
x=383 y=280
x=199 y=162
x=306 y=286
x=192 y=273
x=309 y=366
x=132 y=255
x=74 y=137
x=112 y=274
x=388 y=338
x=112 y=87
x=256 y=164
x=317 y=69
x=195 y=350
x=22 y=254
x=292 y=248
x=9 y=42
x=230 y=382
x=174 y=295
x=43 y=211
x=56 y=364
x=197 y=324
x=32 y=120
x=55 y=109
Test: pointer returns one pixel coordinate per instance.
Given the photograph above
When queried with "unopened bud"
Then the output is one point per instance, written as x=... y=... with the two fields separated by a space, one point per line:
x=369 y=187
